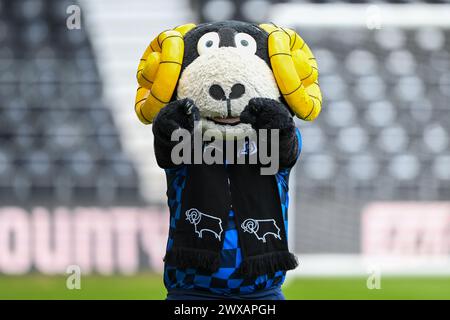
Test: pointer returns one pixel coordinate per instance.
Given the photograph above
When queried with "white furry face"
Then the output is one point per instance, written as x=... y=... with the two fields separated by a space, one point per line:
x=221 y=82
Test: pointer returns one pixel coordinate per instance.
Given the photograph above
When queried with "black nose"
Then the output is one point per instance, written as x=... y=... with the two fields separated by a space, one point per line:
x=217 y=92
x=237 y=91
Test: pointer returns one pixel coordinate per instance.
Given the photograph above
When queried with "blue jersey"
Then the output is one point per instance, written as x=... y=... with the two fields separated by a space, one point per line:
x=226 y=280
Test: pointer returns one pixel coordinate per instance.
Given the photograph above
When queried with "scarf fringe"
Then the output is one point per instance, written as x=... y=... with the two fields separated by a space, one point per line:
x=193 y=258
x=268 y=263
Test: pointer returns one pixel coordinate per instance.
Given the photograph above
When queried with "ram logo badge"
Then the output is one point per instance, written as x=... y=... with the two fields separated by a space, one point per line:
x=204 y=223
x=261 y=228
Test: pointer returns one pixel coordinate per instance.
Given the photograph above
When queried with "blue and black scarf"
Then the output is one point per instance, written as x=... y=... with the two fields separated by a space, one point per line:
x=211 y=191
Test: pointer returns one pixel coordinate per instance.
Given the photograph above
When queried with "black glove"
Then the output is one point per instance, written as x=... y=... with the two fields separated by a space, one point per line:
x=175 y=115
x=264 y=113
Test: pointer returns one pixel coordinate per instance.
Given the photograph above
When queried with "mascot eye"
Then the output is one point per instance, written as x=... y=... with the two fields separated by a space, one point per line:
x=208 y=41
x=245 y=42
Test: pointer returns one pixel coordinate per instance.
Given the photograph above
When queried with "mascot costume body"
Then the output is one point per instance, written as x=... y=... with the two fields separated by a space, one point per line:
x=228 y=222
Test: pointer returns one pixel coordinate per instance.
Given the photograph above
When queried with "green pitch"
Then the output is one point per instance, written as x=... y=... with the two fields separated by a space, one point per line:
x=150 y=286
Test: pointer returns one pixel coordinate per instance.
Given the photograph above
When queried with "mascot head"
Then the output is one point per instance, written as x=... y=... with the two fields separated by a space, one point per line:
x=221 y=66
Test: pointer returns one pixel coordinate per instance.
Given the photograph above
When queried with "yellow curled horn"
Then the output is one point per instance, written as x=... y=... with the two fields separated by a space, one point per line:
x=158 y=72
x=295 y=70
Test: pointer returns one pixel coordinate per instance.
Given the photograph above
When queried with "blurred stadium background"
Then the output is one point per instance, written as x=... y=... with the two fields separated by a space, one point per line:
x=79 y=183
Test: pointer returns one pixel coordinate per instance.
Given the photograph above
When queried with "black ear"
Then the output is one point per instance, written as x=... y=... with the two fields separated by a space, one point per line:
x=262 y=40
x=190 y=42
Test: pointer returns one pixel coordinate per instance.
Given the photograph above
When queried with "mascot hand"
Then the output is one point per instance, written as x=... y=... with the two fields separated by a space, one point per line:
x=263 y=113
x=177 y=114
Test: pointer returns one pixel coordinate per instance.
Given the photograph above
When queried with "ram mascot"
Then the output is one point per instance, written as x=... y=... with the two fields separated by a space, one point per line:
x=228 y=221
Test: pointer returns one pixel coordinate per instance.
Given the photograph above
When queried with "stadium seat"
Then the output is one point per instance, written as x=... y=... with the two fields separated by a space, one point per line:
x=58 y=141
x=383 y=134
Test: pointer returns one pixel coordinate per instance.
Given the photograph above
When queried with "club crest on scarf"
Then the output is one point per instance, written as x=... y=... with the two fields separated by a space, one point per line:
x=204 y=223
x=261 y=228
